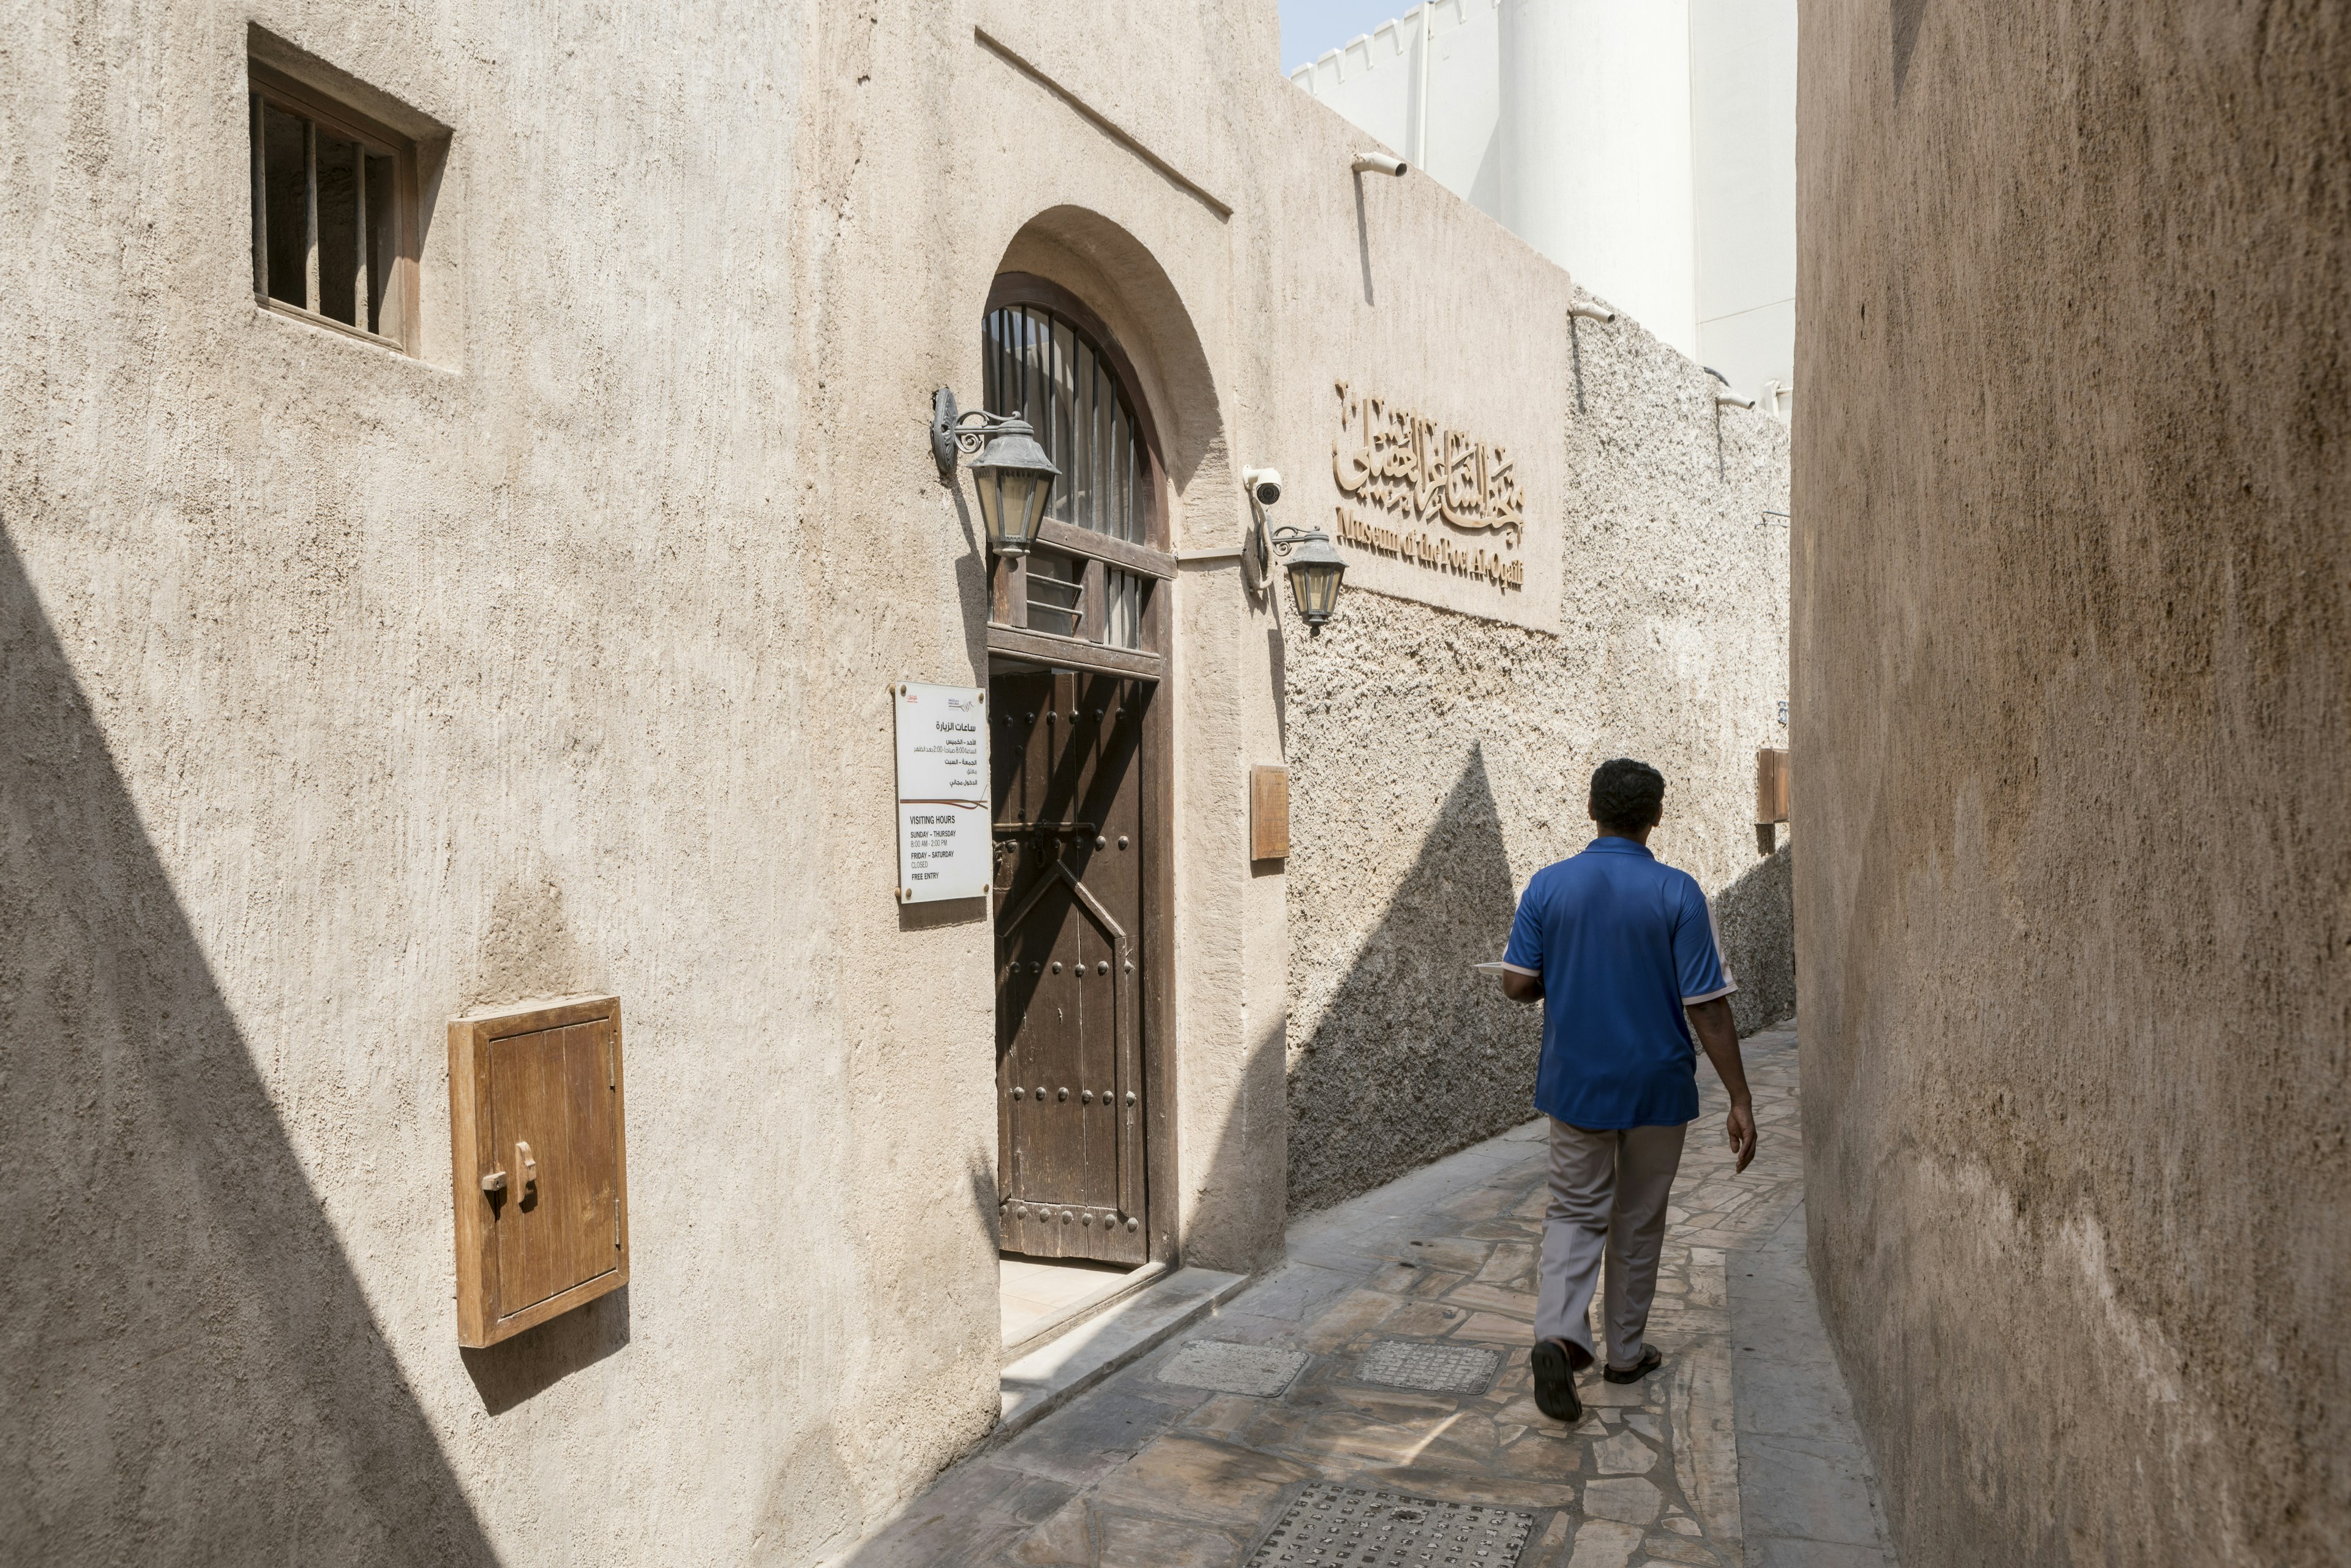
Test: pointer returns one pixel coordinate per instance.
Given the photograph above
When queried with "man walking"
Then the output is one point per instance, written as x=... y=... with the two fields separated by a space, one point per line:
x=1621 y=951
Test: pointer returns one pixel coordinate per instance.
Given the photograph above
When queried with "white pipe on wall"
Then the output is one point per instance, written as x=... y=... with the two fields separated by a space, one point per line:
x=1420 y=99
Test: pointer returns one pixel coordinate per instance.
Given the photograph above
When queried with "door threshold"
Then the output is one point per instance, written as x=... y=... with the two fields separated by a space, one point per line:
x=1117 y=1336
x=1044 y=1298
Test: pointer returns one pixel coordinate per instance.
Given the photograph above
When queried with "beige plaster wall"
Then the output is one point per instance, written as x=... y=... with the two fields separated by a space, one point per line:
x=1441 y=758
x=1398 y=290
x=2073 y=644
x=346 y=691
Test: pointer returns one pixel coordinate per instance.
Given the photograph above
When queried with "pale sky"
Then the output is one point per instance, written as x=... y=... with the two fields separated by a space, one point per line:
x=1311 y=28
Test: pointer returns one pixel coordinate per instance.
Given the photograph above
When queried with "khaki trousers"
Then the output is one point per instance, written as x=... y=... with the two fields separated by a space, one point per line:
x=1607 y=1199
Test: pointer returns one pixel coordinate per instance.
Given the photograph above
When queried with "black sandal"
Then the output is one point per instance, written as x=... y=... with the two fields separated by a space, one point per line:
x=1650 y=1361
x=1554 y=1370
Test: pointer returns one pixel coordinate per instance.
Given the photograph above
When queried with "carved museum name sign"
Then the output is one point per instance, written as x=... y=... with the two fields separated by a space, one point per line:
x=1409 y=484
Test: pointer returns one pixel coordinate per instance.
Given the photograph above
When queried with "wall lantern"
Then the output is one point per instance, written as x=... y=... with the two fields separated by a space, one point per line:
x=1012 y=478
x=1315 y=570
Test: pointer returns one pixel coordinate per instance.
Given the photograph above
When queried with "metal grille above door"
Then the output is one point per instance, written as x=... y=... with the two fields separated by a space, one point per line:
x=1045 y=368
x=1093 y=591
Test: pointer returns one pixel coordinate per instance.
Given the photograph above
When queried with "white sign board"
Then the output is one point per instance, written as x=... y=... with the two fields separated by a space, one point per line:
x=945 y=837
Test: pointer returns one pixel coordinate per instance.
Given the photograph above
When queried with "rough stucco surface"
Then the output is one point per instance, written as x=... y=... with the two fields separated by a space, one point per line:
x=2072 y=651
x=1438 y=760
x=1755 y=917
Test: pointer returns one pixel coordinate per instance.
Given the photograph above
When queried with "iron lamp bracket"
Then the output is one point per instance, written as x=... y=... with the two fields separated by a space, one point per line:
x=1288 y=538
x=966 y=433
x=1267 y=543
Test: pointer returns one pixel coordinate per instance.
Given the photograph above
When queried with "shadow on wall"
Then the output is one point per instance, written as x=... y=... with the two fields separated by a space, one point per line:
x=1417 y=1055
x=1756 y=918
x=1238 y=1214
x=514 y=1371
x=192 y=1372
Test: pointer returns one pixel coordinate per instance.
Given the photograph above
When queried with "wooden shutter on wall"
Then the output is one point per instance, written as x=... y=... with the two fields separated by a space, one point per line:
x=540 y=1168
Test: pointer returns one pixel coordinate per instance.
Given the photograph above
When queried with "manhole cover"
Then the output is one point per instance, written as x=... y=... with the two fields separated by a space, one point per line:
x=1438 y=1368
x=1257 y=1369
x=1327 y=1526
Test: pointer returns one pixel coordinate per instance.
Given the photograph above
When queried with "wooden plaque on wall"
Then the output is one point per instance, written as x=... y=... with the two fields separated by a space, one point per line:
x=1771 y=786
x=1268 y=813
x=539 y=1170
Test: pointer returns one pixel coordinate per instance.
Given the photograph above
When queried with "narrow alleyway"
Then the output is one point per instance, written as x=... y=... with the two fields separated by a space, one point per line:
x=1370 y=1402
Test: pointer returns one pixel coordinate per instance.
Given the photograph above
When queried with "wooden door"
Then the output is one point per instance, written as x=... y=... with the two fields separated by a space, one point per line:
x=1068 y=784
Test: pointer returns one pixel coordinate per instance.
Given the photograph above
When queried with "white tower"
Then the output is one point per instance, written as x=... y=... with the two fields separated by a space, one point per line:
x=1595 y=141
x=1648 y=146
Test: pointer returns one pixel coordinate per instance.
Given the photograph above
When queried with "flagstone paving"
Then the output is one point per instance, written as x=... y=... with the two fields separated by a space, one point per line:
x=1152 y=1469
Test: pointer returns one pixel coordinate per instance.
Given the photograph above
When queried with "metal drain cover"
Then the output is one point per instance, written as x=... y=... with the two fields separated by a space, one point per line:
x=1438 y=1368
x=1329 y=1526
x=1258 y=1369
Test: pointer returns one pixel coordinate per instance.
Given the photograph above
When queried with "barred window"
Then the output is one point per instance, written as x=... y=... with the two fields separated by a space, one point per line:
x=1057 y=594
x=1124 y=594
x=1091 y=592
x=334 y=212
x=1046 y=368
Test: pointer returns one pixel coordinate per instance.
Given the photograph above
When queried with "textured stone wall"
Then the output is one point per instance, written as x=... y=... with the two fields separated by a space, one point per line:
x=1755 y=916
x=1439 y=759
x=2073 y=662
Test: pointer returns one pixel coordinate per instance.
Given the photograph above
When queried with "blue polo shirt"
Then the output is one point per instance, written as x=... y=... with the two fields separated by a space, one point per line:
x=1621 y=943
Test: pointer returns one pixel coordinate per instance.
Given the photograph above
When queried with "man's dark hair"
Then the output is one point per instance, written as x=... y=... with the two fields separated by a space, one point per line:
x=1626 y=796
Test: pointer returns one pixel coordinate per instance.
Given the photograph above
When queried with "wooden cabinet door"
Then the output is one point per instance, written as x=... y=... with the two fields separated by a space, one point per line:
x=536 y=1108
x=551 y=1122
x=1069 y=781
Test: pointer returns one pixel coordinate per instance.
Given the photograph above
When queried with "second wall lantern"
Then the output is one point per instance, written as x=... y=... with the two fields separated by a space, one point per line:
x=1316 y=568
x=1012 y=478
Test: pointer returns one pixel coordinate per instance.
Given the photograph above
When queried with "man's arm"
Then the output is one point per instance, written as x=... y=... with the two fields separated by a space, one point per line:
x=1521 y=988
x=1721 y=1038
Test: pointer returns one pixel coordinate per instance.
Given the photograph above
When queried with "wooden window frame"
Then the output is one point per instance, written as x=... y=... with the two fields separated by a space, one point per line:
x=1009 y=636
x=267 y=85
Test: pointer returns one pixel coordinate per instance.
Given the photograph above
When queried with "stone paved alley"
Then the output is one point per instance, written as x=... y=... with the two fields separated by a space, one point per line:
x=1740 y=1449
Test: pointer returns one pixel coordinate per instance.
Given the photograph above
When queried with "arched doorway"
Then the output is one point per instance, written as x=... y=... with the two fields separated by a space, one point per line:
x=1076 y=642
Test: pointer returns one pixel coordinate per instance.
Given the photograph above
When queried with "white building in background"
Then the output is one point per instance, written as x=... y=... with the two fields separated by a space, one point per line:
x=1649 y=148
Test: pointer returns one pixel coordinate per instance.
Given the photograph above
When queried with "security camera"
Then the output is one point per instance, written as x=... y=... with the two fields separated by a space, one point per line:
x=1377 y=163
x=1264 y=484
